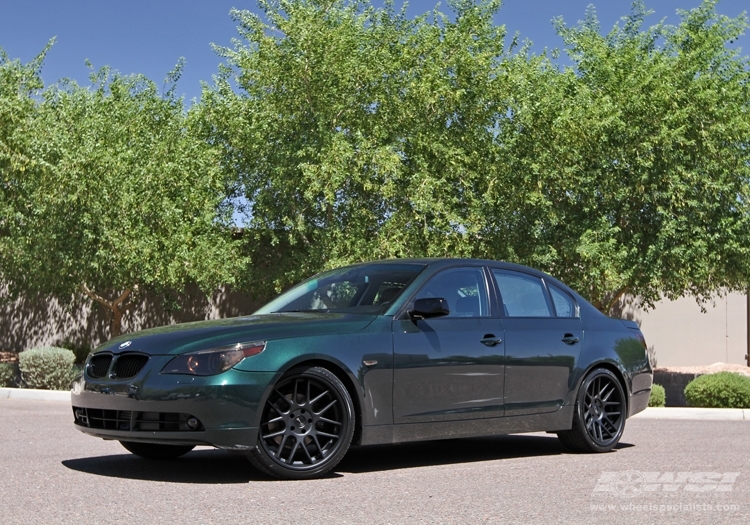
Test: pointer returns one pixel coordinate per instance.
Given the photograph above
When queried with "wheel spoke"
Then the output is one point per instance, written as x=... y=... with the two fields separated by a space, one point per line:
x=294 y=450
x=326 y=434
x=274 y=434
x=317 y=444
x=318 y=398
x=282 y=396
x=281 y=447
x=307 y=453
x=329 y=405
x=275 y=408
x=331 y=421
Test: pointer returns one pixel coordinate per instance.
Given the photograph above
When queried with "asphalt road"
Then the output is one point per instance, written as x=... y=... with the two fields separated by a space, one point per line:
x=664 y=471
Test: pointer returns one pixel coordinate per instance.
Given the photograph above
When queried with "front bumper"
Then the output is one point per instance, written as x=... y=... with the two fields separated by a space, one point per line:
x=222 y=410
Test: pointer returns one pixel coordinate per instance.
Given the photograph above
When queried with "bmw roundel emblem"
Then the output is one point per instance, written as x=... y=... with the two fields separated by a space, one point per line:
x=126 y=344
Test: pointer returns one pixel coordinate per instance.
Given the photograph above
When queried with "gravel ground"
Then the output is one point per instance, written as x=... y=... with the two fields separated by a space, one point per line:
x=708 y=369
x=662 y=472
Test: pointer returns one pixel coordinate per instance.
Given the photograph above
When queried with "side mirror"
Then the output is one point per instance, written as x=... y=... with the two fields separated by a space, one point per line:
x=429 y=307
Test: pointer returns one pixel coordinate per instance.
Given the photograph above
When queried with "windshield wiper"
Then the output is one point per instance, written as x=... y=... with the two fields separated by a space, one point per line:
x=311 y=310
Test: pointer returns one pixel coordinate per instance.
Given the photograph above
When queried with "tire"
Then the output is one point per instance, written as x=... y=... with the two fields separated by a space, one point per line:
x=306 y=425
x=155 y=451
x=599 y=416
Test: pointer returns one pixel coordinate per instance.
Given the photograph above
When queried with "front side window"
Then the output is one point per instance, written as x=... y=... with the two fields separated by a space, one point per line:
x=523 y=295
x=465 y=290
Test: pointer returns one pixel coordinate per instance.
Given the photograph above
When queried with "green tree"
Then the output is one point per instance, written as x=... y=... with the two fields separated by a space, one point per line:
x=357 y=133
x=629 y=171
x=128 y=199
x=19 y=85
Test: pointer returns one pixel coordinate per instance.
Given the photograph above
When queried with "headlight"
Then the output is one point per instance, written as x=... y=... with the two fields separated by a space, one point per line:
x=213 y=361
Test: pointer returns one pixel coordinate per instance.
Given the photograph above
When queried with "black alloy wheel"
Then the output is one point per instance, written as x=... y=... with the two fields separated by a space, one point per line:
x=156 y=451
x=307 y=424
x=599 y=417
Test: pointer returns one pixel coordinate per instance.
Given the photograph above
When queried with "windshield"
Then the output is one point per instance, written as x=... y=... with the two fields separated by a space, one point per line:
x=354 y=289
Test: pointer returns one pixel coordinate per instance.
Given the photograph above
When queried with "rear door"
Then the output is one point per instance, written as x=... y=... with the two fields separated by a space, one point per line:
x=542 y=342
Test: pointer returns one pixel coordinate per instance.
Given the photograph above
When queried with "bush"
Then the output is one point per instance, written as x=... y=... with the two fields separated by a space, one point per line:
x=721 y=390
x=8 y=374
x=80 y=351
x=47 y=367
x=658 y=397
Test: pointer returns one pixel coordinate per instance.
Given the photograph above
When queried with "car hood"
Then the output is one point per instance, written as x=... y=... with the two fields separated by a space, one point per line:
x=201 y=335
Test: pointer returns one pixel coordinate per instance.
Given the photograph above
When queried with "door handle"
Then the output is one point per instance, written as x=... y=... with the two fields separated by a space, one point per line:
x=490 y=340
x=570 y=339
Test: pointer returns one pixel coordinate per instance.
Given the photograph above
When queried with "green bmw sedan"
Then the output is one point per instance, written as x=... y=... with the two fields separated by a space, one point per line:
x=373 y=353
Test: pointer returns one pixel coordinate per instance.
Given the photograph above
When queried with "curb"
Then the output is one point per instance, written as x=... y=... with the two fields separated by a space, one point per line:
x=37 y=395
x=735 y=414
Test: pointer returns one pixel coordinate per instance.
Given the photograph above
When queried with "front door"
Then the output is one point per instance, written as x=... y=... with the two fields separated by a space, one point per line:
x=450 y=368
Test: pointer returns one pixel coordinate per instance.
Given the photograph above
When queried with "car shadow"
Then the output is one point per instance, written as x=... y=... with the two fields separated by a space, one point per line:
x=445 y=452
x=219 y=467
x=208 y=466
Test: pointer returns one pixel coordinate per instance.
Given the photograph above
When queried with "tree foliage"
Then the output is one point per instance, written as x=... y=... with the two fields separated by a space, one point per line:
x=357 y=133
x=125 y=197
x=632 y=166
x=346 y=132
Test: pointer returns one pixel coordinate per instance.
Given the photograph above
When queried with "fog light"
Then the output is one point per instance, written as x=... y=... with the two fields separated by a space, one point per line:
x=192 y=423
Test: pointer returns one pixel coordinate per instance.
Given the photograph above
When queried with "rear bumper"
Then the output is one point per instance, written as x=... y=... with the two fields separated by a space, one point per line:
x=641 y=392
x=638 y=402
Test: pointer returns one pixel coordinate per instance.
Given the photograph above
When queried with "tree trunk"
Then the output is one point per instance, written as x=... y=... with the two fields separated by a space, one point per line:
x=117 y=307
x=608 y=301
x=115 y=327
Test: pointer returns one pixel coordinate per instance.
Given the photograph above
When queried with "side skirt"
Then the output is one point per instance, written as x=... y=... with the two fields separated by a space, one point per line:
x=562 y=419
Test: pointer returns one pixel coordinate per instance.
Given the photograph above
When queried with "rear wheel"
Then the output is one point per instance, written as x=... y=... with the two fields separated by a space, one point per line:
x=599 y=417
x=155 y=451
x=306 y=427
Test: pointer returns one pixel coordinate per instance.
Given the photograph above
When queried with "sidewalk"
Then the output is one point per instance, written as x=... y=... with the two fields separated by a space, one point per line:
x=37 y=395
x=738 y=414
x=694 y=413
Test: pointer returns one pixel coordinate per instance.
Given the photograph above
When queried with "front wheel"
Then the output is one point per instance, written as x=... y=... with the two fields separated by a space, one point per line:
x=156 y=451
x=306 y=426
x=599 y=417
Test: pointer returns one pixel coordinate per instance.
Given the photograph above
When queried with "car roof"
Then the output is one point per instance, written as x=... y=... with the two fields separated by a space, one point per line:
x=440 y=262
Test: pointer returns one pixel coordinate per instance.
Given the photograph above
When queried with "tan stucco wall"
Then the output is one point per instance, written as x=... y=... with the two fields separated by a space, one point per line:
x=31 y=321
x=682 y=335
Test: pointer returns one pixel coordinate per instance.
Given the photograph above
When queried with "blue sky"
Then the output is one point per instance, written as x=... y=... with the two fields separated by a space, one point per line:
x=149 y=36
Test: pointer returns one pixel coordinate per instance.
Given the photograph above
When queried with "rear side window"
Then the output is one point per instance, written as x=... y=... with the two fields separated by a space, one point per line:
x=523 y=295
x=564 y=305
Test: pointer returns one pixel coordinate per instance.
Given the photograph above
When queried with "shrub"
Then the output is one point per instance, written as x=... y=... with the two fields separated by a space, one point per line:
x=80 y=351
x=47 y=367
x=721 y=390
x=8 y=374
x=658 y=397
